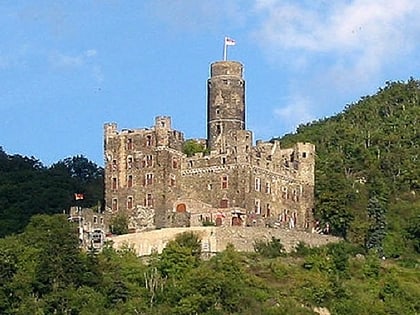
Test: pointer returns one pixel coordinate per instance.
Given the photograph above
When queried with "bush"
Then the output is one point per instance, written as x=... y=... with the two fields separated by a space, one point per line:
x=270 y=249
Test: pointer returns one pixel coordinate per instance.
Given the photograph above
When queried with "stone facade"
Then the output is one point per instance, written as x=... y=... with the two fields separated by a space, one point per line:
x=148 y=177
x=215 y=239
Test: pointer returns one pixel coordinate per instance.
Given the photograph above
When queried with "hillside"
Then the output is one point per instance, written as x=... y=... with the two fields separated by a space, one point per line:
x=44 y=272
x=27 y=187
x=369 y=151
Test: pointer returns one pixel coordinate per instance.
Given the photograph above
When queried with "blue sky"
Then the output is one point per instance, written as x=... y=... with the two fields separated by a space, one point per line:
x=67 y=67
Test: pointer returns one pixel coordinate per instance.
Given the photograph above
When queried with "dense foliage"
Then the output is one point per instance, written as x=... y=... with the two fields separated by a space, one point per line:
x=27 y=187
x=42 y=271
x=370 y=150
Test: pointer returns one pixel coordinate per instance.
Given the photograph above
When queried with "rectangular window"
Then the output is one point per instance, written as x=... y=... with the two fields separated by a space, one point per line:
x=114 y=165
x=129 y=162
x=129 y=144
x=95 y=219
x=225 y=182
x=258 y=184
x=130 y=181
x=149 y=160
x=267 y=188
x=149 y=179
x=257 y=206
x=114 y=183
x=267 y=210
x=148 y=201
x=148 y=141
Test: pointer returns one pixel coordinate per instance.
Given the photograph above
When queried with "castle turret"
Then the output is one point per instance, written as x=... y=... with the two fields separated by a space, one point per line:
x=225 y=104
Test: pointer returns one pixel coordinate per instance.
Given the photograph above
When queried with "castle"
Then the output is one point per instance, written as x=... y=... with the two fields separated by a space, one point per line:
x=232 y=182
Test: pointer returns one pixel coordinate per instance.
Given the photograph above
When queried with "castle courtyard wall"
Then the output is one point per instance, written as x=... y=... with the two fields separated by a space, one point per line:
x=215 y=239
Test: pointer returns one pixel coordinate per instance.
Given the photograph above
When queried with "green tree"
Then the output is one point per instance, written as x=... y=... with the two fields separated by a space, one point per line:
x=192 y=146
x=377 y=229
x=119 y=224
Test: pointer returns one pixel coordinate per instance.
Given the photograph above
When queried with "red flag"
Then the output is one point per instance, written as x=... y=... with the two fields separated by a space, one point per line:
x=79 y=196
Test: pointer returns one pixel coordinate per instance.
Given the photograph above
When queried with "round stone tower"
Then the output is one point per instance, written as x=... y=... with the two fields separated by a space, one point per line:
x=225 y=103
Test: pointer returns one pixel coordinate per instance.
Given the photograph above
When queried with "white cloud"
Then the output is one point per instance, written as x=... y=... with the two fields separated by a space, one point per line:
x=90 y=53
x=60 y=60
x=354 y=38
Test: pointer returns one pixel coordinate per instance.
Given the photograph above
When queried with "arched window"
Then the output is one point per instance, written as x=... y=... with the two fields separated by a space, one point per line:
x=130 y=181
x=181 y=207
x=114 y=204
x=130 y=202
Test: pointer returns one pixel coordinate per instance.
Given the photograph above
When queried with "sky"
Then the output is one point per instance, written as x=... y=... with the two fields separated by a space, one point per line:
x=68 y=67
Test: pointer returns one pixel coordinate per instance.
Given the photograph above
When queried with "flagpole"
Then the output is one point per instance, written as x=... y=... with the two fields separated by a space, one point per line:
x=224 y=50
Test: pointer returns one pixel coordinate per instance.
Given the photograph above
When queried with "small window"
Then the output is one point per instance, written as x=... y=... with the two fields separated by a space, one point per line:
x=130 y=181
x=304 y=154
x=130 y=144
x=95 y=219
x=114 y=165
x=217 y=110
x=225 y=182
x=130 y=202
x=129 y=162
x=267 y=188
x=149 y=160
x=218 y=128
x=148 y=141
x=114 y=204
x=257 y=206
x=149 y=179
x=257 y=184
x=209 y=186
x=101 y=220
x=174 y=163
x=114 y=183
x=223 y=160
x=224 y=203
x=268 y=210
x=148 y=201
x=190 y=163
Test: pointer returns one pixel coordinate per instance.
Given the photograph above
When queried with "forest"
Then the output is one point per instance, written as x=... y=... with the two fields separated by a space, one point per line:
x=367 y=189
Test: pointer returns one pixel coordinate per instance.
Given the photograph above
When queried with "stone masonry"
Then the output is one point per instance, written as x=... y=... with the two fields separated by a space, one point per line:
x=215 y=239
x=235 y=183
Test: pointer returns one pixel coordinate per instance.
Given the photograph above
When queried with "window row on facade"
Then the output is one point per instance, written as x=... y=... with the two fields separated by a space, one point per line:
x=148 y=202
x=147 y=180
x=147 y=161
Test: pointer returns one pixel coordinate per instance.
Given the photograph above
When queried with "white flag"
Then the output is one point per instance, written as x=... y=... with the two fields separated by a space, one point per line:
x=229 y=41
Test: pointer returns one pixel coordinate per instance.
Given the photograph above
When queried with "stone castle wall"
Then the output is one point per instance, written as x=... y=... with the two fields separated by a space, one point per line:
x=215 y=239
